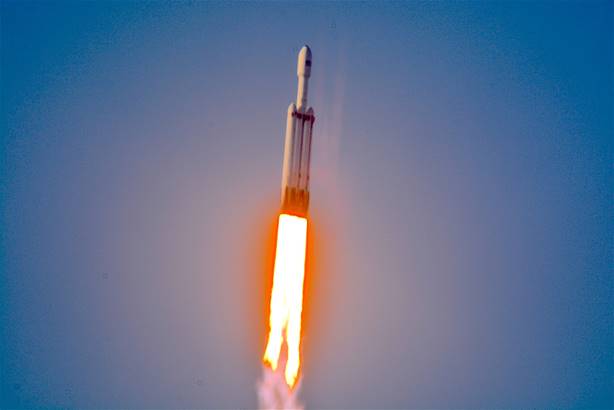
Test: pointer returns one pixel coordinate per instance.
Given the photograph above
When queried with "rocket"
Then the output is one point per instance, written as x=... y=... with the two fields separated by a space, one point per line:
x=297 y=149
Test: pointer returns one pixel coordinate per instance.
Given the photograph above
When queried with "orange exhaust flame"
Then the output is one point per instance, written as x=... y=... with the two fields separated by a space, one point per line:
x=287 y=295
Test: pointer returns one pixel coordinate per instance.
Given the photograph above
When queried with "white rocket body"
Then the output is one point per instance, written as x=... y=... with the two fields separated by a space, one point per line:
x=297 y=151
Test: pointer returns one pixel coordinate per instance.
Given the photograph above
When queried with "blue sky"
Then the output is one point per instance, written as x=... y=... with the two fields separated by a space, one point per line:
x=461 y=214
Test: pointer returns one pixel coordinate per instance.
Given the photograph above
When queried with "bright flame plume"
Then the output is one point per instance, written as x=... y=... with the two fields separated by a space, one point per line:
x=287 y=295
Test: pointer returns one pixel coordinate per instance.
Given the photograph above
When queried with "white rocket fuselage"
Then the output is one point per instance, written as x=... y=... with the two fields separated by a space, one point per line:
x=297 y=150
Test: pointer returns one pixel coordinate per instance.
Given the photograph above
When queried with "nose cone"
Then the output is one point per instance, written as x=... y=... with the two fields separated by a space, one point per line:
x=304 y=62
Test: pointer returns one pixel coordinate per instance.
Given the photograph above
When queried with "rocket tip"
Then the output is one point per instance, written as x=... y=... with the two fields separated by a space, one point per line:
x=304 y=62
x=306 y=52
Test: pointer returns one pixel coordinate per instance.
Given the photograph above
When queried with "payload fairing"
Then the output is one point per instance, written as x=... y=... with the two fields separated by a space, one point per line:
x=297 y=151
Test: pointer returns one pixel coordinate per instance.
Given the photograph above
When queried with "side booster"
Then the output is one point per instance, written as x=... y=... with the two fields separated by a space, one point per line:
x=297 y=151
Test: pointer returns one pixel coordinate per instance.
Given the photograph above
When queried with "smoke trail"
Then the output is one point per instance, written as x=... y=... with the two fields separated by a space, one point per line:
x=273 y=392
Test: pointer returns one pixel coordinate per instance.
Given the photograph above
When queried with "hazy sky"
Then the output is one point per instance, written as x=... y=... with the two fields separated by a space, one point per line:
x=461 y=234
